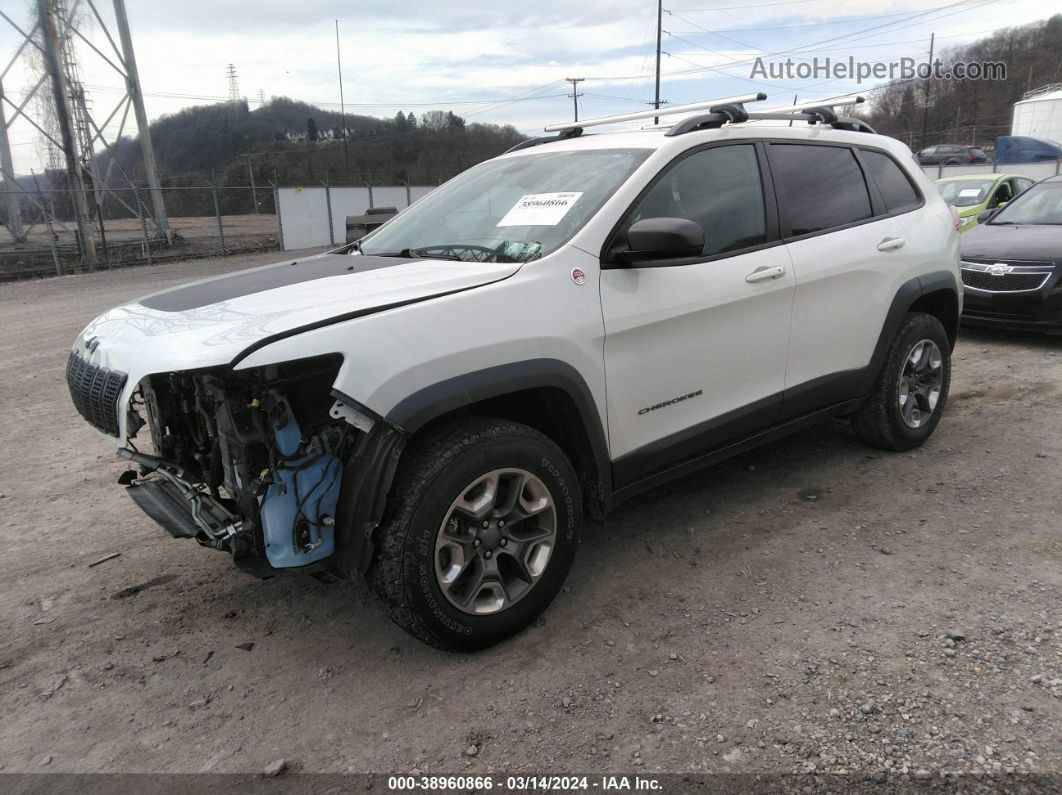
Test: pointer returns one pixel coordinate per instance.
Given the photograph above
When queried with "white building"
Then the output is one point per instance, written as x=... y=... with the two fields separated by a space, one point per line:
x=1039 y=113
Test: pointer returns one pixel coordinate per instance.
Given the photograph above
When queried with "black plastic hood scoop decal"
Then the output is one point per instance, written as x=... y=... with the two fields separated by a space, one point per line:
x=259 y=280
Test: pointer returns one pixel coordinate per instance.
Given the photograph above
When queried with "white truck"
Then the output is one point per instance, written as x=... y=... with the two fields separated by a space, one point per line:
x=440 y=404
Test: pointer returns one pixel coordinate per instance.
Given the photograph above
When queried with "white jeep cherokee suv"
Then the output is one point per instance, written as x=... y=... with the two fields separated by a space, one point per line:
x=552 y=331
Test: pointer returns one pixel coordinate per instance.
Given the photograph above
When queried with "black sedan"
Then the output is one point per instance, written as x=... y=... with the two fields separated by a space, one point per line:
x=951 y=155
x=1012 y=263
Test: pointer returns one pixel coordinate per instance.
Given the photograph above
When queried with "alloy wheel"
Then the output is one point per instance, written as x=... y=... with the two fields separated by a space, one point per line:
x=495 y=542
x=921 y=381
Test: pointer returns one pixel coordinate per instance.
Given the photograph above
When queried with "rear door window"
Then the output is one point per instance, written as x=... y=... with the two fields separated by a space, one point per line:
x=823 y=186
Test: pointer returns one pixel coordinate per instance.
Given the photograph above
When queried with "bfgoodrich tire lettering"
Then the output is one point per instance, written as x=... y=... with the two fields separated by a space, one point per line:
x=882 y=421
x=436 y=470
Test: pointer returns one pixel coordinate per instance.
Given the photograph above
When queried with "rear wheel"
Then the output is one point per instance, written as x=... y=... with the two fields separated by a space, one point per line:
x=480 y=535
x=909 y=395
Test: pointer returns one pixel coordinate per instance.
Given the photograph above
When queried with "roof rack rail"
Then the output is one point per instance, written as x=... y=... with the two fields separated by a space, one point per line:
x=819 y=112
x=729 y=110
x=829 y=102
x=546 y=139
x=651 y=114
x=816 y=112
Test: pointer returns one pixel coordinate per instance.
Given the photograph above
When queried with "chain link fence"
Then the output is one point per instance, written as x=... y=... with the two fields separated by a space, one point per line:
x=204 y=221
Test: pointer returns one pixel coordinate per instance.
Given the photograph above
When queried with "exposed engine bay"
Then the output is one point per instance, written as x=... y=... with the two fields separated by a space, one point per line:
x=248 y=462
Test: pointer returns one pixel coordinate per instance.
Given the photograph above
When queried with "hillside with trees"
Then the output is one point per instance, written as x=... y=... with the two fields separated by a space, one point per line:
x=297 y=143
x=972 y=112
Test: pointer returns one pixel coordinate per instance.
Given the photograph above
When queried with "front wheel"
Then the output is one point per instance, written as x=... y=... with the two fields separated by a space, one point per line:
x=908 y=398
x=481 y=532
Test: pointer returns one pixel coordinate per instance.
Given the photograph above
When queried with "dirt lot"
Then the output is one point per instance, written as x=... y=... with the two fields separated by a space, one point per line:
x=786 y=611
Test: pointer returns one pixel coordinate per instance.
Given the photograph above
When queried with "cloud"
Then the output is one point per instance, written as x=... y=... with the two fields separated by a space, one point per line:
x=400 y=53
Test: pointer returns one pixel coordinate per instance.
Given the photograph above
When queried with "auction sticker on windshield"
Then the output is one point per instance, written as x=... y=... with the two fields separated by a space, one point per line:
x=540 y=209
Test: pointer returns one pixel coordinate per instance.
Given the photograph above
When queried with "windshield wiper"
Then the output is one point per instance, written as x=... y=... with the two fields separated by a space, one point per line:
x=414 y=253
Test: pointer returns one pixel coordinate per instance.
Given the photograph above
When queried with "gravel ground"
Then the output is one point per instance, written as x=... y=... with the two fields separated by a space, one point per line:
x=812 y=605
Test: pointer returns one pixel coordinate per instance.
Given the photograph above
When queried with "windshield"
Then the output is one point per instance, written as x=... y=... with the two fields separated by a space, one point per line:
x=508 y=210
x=1040 y=204
x=965 y=192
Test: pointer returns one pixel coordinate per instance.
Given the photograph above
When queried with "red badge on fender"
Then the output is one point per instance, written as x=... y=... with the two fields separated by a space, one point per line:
x=578 y=276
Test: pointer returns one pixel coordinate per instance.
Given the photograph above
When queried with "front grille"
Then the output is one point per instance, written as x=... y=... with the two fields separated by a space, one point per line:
x=1006 y=283
x=95 y=392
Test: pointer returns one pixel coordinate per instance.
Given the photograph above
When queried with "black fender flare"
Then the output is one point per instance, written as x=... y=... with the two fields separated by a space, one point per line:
x=906 y=296
x=441 y=398
x=370 y=471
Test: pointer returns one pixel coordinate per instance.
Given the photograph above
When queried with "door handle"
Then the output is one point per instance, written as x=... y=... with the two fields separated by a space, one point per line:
x=765 y=272
x=891 y=244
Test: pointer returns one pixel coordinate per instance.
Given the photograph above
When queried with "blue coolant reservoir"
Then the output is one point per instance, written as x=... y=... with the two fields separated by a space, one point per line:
x=299 y=506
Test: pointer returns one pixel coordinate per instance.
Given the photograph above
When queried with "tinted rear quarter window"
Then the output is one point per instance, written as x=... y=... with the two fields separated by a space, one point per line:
x=896 y=189
x=824 y=186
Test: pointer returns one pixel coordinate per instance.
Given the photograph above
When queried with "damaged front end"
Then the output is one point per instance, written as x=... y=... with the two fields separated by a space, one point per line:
x=254 y=462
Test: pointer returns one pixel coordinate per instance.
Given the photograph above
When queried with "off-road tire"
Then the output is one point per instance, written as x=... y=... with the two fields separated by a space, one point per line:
x=434 y=470
x=878 y=421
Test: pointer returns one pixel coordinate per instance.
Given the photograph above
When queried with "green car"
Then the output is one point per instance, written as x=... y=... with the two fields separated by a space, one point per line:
x=972 y=194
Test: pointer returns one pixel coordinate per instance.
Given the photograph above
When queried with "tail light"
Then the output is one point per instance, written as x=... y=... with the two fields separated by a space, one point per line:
x=955 y=217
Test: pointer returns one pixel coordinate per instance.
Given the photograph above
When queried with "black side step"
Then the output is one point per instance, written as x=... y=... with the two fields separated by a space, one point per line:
x=160 y=500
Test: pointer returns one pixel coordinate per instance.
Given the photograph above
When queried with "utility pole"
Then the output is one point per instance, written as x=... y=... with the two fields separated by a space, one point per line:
x=50 y=38
x=147 y=152
x=929 y=90
x=659 y=24
x=254 y=192
x=575 y=81
x=342 y=109
x=13 y=218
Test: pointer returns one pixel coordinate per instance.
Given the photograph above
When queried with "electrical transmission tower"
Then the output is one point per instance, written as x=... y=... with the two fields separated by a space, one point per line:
x=69 y=125
x=234 y=86
x=234 y=91
x=575 y=81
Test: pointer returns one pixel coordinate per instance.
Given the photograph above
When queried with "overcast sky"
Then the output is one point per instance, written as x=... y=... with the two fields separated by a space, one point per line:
x=500 y=61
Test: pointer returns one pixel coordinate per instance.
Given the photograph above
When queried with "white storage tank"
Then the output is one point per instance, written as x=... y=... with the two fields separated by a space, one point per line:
x=1039 y=113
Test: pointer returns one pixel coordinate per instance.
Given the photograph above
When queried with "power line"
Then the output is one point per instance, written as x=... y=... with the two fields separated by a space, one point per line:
x=399 y=104
x=731 y=8
x=854 y=35
x=846 y=21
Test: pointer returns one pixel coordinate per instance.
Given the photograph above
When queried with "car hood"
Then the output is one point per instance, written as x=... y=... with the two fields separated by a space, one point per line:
x=212 y=322
x=1006 y=242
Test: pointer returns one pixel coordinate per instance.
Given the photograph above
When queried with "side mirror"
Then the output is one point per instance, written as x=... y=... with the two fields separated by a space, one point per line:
x=1001 y=205
x=652 y=239
x=985 y=215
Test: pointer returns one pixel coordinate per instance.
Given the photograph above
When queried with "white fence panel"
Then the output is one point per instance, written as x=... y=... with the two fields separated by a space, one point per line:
x=1036 y=171
x=306 y=222
x=303 y=217
x=390 y=197
x=345 y=201
x=420 y=191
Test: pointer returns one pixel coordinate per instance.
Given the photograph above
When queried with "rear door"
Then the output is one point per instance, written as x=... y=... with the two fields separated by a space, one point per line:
x=850 y=254
x=695 y=350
